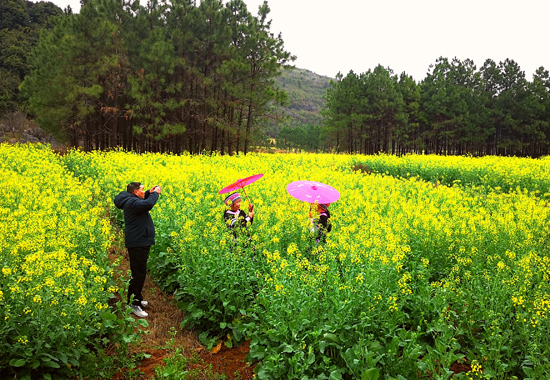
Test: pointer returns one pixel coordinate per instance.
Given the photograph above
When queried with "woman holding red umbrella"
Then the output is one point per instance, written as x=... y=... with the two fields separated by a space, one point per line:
x=235 y=218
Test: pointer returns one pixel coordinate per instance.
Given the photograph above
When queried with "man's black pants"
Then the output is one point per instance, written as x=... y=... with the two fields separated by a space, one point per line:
x=138 y=266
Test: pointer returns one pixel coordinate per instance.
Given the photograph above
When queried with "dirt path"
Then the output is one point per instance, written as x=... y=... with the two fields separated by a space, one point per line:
x=165 y=318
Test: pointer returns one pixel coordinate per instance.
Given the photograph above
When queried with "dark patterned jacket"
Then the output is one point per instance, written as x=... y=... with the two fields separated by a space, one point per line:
x=323 y=226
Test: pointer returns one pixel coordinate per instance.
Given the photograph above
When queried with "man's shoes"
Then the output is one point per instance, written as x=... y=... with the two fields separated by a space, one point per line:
x=144 y=303
x=138 y=311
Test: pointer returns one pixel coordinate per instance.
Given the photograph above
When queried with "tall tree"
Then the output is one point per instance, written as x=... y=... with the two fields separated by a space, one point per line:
x=151 y=86
x=512 y=95
x=408 y=135
x=444 y=104
x=65 y=84
x=538 y=107
x=341 y=110
x=264 y=55
x=365 y=111
x=382 y=109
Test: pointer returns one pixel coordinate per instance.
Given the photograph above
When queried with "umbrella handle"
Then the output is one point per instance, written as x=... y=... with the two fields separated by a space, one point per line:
x=244 y=191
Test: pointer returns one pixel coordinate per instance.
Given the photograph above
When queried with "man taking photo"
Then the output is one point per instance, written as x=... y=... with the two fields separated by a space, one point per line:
x=139 y=236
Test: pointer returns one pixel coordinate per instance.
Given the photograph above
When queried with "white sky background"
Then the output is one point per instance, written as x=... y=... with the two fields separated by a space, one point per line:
x=330 y=36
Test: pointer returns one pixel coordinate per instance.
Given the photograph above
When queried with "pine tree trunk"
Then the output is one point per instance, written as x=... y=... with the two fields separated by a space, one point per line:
x=248 y=127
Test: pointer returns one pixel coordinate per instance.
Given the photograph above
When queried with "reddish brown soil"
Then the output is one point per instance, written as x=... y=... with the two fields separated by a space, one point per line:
x=165 y=318
x=230 y=361
x=458 y=367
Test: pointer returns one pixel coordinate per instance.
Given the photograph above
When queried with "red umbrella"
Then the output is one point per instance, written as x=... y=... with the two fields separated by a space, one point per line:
x=240 y=184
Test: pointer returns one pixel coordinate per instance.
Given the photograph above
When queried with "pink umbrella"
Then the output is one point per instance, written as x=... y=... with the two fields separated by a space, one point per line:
x=310 y=191
x=240 y=184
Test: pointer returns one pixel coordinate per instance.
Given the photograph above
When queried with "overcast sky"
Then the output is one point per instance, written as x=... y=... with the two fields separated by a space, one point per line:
x=330 y=36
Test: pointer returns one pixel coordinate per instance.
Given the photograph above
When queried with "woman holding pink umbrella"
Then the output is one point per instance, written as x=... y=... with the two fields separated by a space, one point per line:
x=322 y=224
x=321 y=195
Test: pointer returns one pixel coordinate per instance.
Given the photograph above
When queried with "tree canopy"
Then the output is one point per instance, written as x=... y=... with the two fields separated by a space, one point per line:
x=196 y=76
x=456 y=109
x=20 y=26
x=161 y=77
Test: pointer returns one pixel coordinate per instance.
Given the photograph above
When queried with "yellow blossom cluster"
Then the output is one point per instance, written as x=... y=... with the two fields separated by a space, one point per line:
x=497 y=173
x=53 y=244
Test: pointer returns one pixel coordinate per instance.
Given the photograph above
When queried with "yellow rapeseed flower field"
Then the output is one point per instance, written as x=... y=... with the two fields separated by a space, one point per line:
x=431 y=262
x=414 y=278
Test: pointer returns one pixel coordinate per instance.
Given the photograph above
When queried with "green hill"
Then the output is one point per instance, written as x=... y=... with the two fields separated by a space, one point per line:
x=305 y=91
